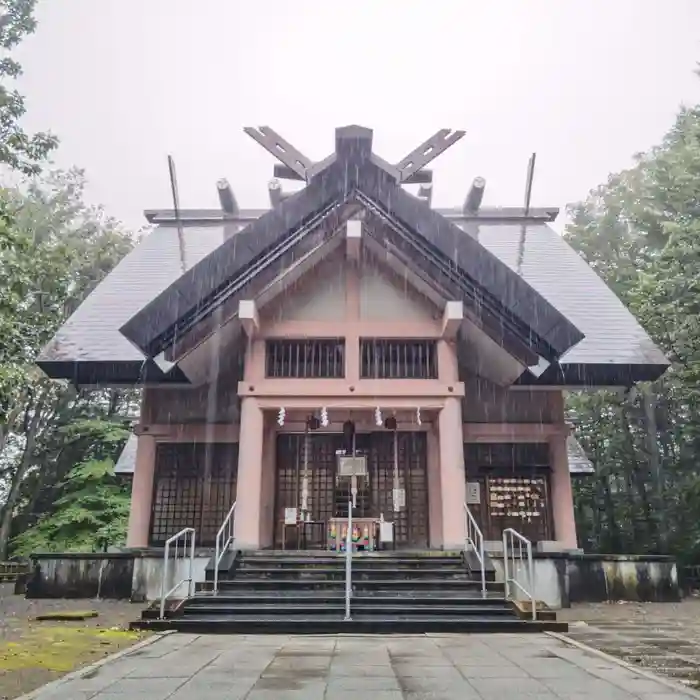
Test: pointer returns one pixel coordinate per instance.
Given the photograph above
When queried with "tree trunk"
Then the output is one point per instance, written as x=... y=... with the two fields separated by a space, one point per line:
x=18 y=478
x=652 y=445
x=6 y=428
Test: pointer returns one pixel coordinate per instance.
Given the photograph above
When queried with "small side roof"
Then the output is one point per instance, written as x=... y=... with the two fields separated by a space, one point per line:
x=126 y=462
x=578 y=459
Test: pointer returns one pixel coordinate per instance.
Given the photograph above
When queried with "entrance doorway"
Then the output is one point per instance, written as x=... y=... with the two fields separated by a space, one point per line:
x=327 y=499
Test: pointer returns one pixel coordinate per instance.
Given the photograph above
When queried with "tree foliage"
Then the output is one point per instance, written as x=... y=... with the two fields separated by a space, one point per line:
x=90 y=513
x=18 y=150
x=54 y=249
x=641 y=232
x=57 y=445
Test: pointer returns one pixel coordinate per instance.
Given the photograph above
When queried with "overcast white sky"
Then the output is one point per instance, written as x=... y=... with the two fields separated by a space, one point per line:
x=584 y=83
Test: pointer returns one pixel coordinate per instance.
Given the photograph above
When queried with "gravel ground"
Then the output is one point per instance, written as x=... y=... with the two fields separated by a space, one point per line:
x=663 y=637
x=33 y=653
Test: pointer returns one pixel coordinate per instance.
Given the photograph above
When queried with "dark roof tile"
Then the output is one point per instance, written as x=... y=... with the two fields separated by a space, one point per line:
x=550 y=266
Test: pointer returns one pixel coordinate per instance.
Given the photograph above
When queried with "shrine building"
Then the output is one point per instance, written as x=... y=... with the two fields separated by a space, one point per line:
x=352 y=319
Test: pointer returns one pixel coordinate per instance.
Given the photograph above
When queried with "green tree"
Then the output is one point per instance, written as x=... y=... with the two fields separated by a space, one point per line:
x=641 y=232
x=19 y=150
x=90 y=513
x=55 y=250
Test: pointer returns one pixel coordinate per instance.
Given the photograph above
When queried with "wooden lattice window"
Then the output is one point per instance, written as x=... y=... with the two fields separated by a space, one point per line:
x=321 y=477
x=305 y=359
x=411 y=526
x=398 y=359
x=194 y=486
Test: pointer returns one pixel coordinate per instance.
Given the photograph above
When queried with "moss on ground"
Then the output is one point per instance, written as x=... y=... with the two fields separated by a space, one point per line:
x=60 y=649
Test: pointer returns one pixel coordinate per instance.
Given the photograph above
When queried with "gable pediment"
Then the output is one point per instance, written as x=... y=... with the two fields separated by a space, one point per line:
x=322 y=295
x=384 y=296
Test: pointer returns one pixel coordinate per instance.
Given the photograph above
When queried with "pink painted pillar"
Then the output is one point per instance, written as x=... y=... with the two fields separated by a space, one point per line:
x=434 y=488
x=562 y=495
x=352 y=317
x=452 y=479
x=267 y=496
x=142 y=492
x=246 y=529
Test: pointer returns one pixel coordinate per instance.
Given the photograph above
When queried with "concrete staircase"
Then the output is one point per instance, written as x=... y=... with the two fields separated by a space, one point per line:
x=304 y=593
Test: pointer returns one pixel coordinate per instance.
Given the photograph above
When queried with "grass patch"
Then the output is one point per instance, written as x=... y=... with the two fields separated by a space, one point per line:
x=61 y=649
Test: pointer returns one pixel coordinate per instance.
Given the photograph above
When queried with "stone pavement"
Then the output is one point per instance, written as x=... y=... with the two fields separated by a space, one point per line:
x=431 y=667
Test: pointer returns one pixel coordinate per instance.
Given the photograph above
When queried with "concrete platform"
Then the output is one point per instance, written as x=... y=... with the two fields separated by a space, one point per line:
x=441 y=667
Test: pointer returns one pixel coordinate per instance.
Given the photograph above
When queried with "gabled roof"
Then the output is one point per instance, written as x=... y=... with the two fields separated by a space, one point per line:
x=616 y=350
x=89 y=348
x=504 y=303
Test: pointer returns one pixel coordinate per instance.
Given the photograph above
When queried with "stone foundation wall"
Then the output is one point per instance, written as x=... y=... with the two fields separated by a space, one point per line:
x=134 y=576
x=563 y=578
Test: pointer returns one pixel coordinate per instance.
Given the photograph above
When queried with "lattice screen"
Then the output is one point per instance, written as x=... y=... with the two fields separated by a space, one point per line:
x=328 y=499
x=194 y=486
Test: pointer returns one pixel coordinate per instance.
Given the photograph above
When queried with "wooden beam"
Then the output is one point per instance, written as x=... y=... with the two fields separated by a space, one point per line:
x=452 y=319
x=367 y=391
x=271 y=141
x=353 y=239
x=248 y=315
x=513 y=432
x=429 y=150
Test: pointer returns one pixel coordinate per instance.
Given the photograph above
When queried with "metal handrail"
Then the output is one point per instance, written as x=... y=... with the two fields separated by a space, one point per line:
x=348 y=564
x=475 y=538
x=182 y=535
x=509 y=537
x=226 y=530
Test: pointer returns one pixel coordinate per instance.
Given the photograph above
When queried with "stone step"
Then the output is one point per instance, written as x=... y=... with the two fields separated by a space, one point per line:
x=339 y=561
x=403 y=609
x=385 y=554
x=414 y=584
x=359 y=571
x=468 y=599
x=225 y=624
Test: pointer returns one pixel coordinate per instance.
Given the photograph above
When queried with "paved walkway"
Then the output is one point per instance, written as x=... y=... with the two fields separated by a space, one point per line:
x=451 y=667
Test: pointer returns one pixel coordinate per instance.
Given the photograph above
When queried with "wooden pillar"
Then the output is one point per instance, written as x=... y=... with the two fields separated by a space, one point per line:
x=142 y=492
x=249 y=488
x=352 y=320
x=452 y=477
x=434 y=488
x=562 y=494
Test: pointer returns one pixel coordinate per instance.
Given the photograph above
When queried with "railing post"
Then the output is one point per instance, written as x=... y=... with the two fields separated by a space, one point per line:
x=163 y=578
x=183 y=534
x=531 y=577
x=505 y=565
x=221 y=549
x=483 y=566
x=190 y=588
x=475 y=537
x=348 y=563
x=509 y=535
